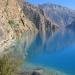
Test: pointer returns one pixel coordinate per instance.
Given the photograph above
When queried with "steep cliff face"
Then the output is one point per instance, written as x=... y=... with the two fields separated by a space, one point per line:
x=13 y=22
x=41 y=21
x=58 y=14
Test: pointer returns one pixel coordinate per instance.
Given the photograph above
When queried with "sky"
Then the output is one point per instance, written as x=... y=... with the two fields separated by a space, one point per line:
x=66 y=3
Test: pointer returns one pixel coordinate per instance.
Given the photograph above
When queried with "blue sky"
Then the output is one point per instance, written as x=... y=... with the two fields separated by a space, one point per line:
x=67 y=3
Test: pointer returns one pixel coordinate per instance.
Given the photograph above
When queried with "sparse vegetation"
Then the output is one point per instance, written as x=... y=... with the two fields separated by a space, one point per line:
x=9 y=65
x=12 y=23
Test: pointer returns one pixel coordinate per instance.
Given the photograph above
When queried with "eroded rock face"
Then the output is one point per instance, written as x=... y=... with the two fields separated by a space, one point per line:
x=13 y=22
x=45 y=26
x=58 y=14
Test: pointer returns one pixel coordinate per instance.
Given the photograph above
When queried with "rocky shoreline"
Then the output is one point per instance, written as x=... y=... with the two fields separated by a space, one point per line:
x=30 y=69
x=41 y=71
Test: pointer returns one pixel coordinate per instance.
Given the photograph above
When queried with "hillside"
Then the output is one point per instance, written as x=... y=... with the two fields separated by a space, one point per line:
x=13 y=22
x=19 y=23
x=58 y=14
x=41 y=21
x=18 y=17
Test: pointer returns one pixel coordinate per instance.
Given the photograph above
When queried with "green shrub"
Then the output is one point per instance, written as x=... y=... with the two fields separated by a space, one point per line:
x=12 y=24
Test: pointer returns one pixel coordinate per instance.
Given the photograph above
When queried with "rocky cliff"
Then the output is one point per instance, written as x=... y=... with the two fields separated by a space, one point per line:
x=13 y=22
x=41 y=21
x=59 y=14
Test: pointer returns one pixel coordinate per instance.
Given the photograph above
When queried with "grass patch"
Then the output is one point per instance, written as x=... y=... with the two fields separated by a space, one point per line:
x=9 y=65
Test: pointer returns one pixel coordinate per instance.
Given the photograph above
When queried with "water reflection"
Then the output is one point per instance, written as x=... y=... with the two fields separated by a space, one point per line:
x=57 y=51
x=21 y=45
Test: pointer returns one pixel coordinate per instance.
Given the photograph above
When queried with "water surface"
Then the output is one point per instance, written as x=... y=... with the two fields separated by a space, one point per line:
x=56 y=52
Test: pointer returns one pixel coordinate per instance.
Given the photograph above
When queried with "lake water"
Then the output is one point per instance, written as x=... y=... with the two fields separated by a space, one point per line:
x=55 y=51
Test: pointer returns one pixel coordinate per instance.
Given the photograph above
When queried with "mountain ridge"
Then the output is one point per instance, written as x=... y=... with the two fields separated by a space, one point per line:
x=59 y=14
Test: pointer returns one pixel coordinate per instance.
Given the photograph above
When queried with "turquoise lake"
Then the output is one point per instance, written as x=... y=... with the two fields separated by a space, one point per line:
x=56 y=51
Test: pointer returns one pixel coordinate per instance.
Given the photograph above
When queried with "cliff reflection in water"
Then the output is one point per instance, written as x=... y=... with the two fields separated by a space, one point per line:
x=57 y=51
x=21 y=45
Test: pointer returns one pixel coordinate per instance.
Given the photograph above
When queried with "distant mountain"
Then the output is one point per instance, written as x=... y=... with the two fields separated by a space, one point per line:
x=41 y=21
x=60 y=15
x=71 y=26
x=48 y=18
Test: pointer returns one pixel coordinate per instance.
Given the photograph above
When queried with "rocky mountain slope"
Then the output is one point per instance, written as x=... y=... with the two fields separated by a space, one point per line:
x=13 y=22
x=41 y=21
x=48 y=18
x=71 y=26
x=58 y=14
x=17 y=17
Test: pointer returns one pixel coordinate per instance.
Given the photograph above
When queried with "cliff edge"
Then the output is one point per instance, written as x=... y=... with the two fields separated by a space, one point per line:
x=13 y=22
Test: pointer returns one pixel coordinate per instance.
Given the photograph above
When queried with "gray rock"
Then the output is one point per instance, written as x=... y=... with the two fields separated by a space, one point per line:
x=35 y=73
